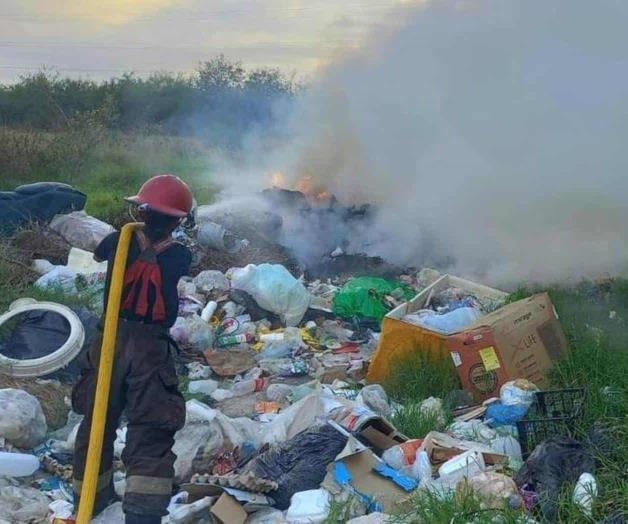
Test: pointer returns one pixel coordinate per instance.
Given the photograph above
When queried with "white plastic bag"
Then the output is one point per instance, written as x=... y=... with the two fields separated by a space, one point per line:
x=274 y=289
x=22 y=421
x=81 y=230
x=61 y=277
x=23 y=504
x=193 y=332
x=520 y=392
x=446 y=323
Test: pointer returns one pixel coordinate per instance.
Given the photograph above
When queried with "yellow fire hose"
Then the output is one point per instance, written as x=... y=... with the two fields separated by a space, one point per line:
x=103 y=384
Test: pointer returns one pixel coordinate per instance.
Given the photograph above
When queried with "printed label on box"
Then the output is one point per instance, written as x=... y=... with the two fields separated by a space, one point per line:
x=489 y=358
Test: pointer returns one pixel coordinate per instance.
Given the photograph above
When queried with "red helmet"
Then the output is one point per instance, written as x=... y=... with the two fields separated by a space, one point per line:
x=166 y=194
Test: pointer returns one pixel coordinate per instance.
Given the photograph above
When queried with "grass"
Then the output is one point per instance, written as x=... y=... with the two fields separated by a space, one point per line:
x=415 y=422
x=418 y=376
x=105 y=165
x=598 y=361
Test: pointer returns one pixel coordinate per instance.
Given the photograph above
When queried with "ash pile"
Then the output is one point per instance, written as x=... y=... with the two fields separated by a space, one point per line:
x=314 y=236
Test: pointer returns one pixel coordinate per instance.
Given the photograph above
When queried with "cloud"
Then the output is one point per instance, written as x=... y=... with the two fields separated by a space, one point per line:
x=101 y=11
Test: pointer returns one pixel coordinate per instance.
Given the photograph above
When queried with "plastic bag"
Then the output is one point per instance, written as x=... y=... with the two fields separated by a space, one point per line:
x=447 y=323
x=274 y=289
x=402 y=455
x=364 y=297
x=23 y=504
x=111 y=515
x=553 y=462
x=22 y=421
x=299 y=464
x=211 y=280
x=193 y=332
x=474 y=430
x=81 y=230
x=508 y=445
x=518 y=392
x=493 y=489
x=498 y=414
x=278 y=392
x=375 y=398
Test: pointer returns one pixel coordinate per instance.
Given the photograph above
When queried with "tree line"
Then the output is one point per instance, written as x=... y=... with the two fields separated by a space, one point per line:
x=220 y=101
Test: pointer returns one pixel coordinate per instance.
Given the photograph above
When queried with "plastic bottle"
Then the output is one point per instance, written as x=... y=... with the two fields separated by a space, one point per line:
x=232 y=340
x=584 y=493
x=209 y=310
x=18 y=464
x=206 y=387
x=278 y=392
x=246 y=387
x=271 y=337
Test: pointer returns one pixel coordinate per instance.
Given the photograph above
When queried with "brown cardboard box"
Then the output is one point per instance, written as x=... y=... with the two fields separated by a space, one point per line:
x=232 y=505
x=360 y=462
x=228 y=510
x=521 y=340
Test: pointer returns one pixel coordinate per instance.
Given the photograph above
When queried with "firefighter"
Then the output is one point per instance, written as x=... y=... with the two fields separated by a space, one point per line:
x=144 y=382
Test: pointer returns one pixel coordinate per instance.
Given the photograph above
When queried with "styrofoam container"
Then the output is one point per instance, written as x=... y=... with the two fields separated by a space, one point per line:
x=466 y=465
x=308 y=507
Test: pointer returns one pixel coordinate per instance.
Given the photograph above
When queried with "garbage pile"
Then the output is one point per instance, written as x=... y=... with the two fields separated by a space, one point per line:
x=286 y=414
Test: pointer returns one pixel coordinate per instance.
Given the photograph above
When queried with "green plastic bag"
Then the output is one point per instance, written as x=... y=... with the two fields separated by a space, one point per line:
x=364 y=297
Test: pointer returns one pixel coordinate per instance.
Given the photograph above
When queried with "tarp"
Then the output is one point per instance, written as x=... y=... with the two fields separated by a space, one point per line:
x=399 y=340
x=40 y=202
x=363 y=297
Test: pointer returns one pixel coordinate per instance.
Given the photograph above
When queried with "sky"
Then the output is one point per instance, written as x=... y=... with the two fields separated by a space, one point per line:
x=103 y=38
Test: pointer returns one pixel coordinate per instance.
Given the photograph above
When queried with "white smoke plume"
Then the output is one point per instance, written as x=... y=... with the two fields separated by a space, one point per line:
x=491 y=134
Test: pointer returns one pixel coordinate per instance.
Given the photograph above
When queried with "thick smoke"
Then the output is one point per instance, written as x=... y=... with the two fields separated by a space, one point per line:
x=490 y=134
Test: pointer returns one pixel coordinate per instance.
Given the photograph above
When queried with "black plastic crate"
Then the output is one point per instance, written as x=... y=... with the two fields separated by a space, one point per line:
x=552 y=414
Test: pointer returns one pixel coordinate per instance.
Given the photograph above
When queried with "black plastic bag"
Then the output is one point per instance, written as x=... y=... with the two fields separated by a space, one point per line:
x=299 y=464
x=553 y=462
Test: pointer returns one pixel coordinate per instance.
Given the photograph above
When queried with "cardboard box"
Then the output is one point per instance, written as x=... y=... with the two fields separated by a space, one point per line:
x=228 y=510
x=520 y=340
x=371 y=429
x=360 y=462
x=400 y=339
x=441 y=447
x=232 y=505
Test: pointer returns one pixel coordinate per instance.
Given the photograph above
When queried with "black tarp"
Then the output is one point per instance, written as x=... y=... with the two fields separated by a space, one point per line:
x=37 y=202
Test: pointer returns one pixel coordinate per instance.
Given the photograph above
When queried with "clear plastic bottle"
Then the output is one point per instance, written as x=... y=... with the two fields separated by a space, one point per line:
x=18 y=464
x=246 y=387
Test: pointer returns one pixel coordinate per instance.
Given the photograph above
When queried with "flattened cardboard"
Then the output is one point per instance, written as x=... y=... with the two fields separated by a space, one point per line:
x=249 y=501
x=228 y=510
x=360 y=462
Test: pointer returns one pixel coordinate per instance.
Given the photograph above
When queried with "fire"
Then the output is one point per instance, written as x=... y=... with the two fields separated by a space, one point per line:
x=305 y=185
x=315 y=193
x=278 y=179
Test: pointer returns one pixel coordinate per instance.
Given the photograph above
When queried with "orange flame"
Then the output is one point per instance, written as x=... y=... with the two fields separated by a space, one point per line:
x=278 y=179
